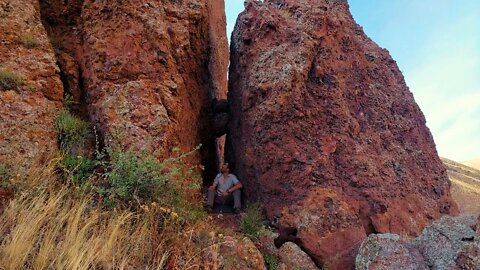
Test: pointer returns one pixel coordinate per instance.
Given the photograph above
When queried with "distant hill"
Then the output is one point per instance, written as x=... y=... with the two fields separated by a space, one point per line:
x=465 y=186
x=472 y=163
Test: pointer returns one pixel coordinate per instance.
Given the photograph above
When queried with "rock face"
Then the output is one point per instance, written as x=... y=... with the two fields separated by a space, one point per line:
x=325 y=132
x=450 y=243
x=31 y=92
x=151 y=84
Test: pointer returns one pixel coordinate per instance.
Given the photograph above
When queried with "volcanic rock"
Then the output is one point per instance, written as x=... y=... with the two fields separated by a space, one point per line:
x=148 y=70
x=449 y=243
x=31 y=91
x=388 y=251
x=441 y=242
x=324 y=126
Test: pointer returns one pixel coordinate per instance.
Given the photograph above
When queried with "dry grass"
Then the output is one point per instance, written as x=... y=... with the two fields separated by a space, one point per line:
x=465 y=186
x=53 y=226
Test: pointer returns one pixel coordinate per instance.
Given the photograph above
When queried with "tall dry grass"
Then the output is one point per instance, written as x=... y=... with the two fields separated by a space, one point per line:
x=49 y=225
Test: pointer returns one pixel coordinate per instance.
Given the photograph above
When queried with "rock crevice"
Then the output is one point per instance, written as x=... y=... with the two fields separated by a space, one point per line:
x=150 y=85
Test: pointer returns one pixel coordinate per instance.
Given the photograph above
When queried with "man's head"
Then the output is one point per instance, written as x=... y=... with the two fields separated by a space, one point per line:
x=225 y=168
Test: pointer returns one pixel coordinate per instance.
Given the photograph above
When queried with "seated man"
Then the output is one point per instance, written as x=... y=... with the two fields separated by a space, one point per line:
x=224 y=189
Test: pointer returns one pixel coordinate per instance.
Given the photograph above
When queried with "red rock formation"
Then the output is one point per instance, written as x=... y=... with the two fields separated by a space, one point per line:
x=149 y=70
x=325 y=132
x=30 y=88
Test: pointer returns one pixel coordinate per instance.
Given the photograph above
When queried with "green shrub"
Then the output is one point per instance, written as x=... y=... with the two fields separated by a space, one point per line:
x=10 y=80
x=30 y=42
x=77 y=168
x=142 y=179
x=71 y=130
x=270 y=261
x=5 y=175
x=252 y=222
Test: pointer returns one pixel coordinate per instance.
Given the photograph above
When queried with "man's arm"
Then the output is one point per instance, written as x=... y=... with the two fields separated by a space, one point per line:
x=237 y=186
x=214 y=185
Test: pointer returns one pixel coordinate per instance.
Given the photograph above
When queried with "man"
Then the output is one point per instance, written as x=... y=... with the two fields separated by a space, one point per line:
x=224 y=189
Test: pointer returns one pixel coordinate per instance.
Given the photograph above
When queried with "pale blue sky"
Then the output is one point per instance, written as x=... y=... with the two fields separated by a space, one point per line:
x=436 y=44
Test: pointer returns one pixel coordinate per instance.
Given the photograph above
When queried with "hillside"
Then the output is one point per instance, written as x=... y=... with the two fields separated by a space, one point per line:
x=472 y=163
x=465 y=186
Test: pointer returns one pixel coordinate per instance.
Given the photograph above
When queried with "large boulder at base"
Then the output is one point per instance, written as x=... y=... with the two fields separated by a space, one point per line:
x=149 y=70
x=292 y=257
x=449 y=243
x=31 y=91
x=316 y=104
x=387 y=252
x=443 y=241
x=288 y=256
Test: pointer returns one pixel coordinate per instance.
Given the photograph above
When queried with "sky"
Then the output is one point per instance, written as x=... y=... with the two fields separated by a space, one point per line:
x=436 y=44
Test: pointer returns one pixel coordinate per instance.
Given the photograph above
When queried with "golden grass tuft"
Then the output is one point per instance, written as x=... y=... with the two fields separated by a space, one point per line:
x=50 y=225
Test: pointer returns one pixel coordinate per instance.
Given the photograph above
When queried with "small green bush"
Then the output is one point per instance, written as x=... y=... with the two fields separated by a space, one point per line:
x=77 y=168
x=5 y=175
x=139 y=179
x=71 y=130
x=252 y=222
x=271 y=262
x=10 y=80
x=30 y=42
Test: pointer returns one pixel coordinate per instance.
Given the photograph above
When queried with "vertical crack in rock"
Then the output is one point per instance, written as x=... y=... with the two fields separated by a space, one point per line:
x=145 y=73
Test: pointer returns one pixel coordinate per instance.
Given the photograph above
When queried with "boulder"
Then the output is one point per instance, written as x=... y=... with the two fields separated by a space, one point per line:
x=292 y=257
x=443 y=241
x=316 y=105
x=449 y=243
x=386 y=252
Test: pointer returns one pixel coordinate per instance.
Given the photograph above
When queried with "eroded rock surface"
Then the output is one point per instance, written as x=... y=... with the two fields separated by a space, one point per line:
x=317 y=105
x=31 y=92
x=449 y=243
x=148 y=70
x=388 y=251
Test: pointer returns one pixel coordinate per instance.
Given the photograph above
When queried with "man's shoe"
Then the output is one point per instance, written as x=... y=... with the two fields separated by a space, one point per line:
x=236 y=211
x=209 y=209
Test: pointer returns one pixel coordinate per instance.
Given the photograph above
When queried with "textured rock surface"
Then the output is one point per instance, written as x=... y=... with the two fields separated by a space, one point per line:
x=315 y=103
x=442 y=242
x=449 y=243
x=232 y=253
x=151 y=84
x=329 y=229
x=387 y=251
x=28 y=109
x=288 y=256
x=292 y=257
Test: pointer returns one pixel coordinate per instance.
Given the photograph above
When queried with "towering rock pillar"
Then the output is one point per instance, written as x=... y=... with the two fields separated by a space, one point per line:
x=149 y=69
x=325 y=133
